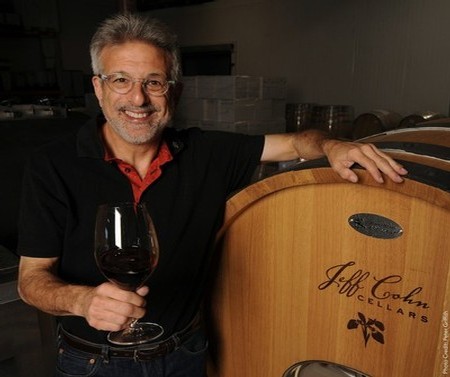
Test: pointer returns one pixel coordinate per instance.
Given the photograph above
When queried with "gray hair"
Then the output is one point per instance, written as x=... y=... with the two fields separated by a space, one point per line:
x=124 y=28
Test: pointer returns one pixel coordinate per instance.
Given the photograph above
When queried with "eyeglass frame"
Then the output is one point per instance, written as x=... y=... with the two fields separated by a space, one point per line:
x=167 y=84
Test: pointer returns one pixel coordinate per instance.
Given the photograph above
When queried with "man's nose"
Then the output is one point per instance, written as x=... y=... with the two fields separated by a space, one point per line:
x=138 y=95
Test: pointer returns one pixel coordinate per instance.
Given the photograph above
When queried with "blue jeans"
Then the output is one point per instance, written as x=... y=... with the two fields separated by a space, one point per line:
x=189 y=360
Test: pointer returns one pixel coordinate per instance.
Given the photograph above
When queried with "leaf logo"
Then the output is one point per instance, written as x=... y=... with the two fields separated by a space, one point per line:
x=371 y=328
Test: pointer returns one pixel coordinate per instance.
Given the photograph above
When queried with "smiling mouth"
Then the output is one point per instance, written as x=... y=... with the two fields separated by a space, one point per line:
x=135 y=115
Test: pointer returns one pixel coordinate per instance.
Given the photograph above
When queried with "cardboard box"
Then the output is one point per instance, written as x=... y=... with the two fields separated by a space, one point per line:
x=272 y=88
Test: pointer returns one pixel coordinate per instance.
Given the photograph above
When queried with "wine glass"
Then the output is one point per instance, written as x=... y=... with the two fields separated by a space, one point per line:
x=126 y=252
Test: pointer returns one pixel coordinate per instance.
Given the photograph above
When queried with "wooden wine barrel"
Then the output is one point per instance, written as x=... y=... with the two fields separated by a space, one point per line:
x=374 y=122
x=321 y=277
x=413 y=120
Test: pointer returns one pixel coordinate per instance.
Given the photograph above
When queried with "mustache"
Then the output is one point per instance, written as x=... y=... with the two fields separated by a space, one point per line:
x=145 y=109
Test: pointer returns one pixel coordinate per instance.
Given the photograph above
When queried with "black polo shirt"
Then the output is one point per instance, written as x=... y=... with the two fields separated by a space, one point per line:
x=65 y=181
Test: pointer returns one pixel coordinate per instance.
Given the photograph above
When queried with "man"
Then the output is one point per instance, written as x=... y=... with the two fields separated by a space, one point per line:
x=183 y=177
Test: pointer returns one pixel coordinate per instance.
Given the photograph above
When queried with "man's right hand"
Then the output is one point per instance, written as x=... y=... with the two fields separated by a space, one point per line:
x=107 y=307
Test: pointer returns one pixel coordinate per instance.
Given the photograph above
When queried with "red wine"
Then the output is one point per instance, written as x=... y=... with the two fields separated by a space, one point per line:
x=129 y=268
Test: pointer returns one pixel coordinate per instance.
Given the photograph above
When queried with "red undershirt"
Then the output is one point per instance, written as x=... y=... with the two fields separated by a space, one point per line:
x=154 y=172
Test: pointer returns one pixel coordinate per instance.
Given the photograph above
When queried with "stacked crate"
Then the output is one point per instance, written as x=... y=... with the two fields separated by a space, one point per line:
x=245 y=104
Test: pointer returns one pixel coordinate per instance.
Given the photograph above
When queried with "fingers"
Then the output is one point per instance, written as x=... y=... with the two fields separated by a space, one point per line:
x=112 y=308
x=369 y=157
x=143 y=291
x=377 y=162
x=104 y=317
x=344 y=155
x=114 y=292
x=346 y=173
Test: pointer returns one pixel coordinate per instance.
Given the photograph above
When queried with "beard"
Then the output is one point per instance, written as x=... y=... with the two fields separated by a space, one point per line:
x=139 y=132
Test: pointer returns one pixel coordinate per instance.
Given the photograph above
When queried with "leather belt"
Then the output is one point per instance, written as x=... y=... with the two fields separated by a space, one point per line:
x=144 y=352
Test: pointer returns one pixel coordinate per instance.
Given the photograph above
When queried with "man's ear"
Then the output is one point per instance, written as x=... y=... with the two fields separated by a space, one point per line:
x=98 y=89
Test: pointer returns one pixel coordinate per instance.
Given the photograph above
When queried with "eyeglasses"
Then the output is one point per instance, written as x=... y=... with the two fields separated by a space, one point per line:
x=122 y=84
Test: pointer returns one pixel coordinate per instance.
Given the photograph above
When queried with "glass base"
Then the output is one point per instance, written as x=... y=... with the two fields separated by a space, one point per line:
x=138 y=333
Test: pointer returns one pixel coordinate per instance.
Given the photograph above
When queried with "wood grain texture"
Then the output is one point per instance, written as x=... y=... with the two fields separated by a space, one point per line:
x=296 y=282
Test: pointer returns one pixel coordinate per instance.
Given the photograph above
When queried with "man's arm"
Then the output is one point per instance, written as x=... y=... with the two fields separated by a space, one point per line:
x=105 y=307
x=342 y=155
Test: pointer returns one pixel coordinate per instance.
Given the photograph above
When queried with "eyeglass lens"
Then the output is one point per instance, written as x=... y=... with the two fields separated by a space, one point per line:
x=123 y=84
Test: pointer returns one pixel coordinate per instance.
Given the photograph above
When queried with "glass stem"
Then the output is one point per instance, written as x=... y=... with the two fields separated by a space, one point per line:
x=133 y=323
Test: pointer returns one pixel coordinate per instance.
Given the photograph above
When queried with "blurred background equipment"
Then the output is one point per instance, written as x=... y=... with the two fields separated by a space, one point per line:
x=374 y=122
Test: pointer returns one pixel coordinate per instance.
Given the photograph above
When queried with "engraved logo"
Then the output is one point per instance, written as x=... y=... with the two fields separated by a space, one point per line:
x=375 y=226
x=381 y=292
x=371 y=328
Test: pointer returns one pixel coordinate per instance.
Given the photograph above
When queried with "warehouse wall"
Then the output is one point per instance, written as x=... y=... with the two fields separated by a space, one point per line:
x=369 y=54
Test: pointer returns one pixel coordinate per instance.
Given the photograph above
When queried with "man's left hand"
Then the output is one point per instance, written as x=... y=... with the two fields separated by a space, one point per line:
x=343 y=155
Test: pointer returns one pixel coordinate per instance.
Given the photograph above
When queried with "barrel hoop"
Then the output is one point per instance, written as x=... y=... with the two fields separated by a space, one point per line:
x=438 y=151
x=431 y=176
x=428 y=175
